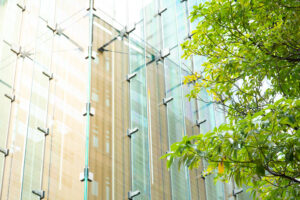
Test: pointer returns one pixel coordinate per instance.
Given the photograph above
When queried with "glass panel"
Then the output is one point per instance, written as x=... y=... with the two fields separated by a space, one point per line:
x=158 y=141
x=163 y=129
x=182 y=26
x=139 y=141
x=135 y=11
x=35 y=138
x=64 y=56
x=109 y=157
x=196 y=182
x=214 y=191
x=65 y=145
x=73 y=20
x=169 y=27
x=207 y=112
x=244 y=195
x=176 y=129
x=191 y=4
x=5 y=105
x=13 y=169
x=7 y=65
x=228 y=190
x=152 y=25
x=140 y=167
x=10 y=19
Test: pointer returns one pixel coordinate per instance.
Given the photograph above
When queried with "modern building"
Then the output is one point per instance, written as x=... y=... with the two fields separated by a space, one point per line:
x=91 y=96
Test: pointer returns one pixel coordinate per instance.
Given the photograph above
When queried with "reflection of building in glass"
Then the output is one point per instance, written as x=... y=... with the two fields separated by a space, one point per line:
x=132 y=110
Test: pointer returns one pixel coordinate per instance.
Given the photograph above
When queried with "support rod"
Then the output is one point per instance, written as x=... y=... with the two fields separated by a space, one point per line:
x=101 y=49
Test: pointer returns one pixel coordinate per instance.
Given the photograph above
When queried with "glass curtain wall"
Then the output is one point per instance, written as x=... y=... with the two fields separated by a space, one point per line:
x=8 y=34
x=140 y=167
x=43 y=64
x=65 y=145
x=157 y=122
x=45 y=104
x=109 y=157
x=175 y=113
x=38 y=110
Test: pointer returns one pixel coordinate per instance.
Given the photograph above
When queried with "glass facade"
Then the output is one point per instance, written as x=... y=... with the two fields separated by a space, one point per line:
x=91 y=96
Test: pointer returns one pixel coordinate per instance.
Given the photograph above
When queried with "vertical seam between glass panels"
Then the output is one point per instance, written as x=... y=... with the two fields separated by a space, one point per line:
x=222 y=184
x=53 y=111
x=47 y=112
x=193 y=70
x=10 y=110
x=28 y=118
x=187 y=17
x=160 y=32
x=91 y=3
x=198 y=112
x=130 y=111
x=146 y=88
x=165 y=92
x=113 y=120
x=127 y=121
x=182 y=103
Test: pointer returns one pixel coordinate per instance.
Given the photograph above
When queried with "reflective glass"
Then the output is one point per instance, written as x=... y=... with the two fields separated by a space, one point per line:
x=140 y=167
x=176 y=128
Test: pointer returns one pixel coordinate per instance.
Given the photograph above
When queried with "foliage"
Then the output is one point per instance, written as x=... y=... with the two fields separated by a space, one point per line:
x=252 y=71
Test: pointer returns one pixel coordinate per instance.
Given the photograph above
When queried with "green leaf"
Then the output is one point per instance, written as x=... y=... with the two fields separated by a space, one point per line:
x=260 y=170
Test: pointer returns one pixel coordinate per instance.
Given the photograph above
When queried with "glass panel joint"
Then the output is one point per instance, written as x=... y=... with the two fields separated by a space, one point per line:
x=237 y=191
x=18 y=50
x=12 y=98
x=89 y=109
x=93 y=53
x=4 y=151
x=162 y=10
x=40 y=193
x=167 y=100
x=130 y=76
x=198 y=122
x=49 y=75
x=132 y=131
x=86 y=174
x=54 y=28
x=189 y=36
x=129 y=28
x=21 y=6
x=163 y=54
x=45 y=131
x=133 y=194
x=91 y=5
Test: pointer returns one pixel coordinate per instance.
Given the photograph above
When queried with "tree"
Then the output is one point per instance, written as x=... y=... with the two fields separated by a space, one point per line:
x=252 y=73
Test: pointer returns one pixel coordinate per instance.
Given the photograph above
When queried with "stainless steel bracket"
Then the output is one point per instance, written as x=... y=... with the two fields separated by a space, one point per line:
x=40 y=193
x=4 y=151
x=167 y=100
x=132 y=131
x=132 y=194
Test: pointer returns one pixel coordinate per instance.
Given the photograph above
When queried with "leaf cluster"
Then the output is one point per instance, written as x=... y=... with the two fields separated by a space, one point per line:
x=252 y=73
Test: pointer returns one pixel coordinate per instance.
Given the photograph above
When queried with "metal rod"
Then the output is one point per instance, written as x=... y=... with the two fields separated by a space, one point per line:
x=101 y=49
